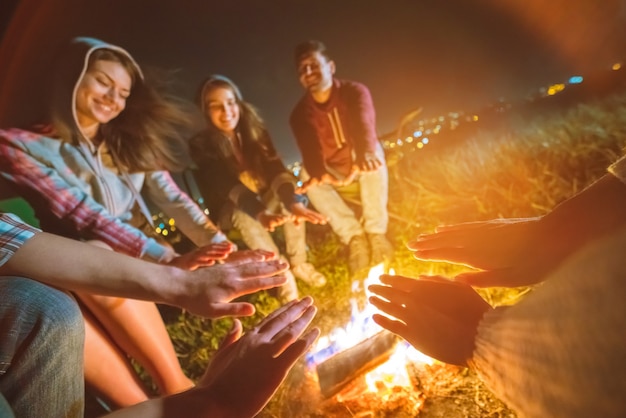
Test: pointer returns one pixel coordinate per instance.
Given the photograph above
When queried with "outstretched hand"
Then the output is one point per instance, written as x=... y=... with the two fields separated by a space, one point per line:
x=303 y=214
x=246 y=371
x=271 y=221
x=437 y=316
x=210 y=290
x=203 y=256
x=328 y=178
x=369 y=162
x=508 y=252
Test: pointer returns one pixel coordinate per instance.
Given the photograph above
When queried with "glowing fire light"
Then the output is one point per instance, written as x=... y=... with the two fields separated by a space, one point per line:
x=393 y=372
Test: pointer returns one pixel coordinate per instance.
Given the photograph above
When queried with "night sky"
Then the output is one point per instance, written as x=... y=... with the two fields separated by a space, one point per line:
x=440 y=55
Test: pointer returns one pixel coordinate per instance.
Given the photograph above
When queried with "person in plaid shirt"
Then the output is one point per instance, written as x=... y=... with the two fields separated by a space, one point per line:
x=42 y=333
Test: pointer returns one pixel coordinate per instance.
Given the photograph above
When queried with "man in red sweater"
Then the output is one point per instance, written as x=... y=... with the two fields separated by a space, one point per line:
x=335 y=127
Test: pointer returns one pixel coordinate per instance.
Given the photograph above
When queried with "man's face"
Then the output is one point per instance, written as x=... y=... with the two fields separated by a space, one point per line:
x=316 y=72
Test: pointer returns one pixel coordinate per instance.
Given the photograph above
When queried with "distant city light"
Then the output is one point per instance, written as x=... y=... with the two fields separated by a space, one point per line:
x=417 y=134
x=475 y=118
x=616 y=66
x=577 y=79
x=420 y=145
x=425 y=140
x=555 y=88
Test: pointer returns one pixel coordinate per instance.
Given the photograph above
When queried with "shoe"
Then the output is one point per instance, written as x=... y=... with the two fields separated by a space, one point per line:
x=288 y=291
x=359 y=254
x=308 y=274
x=382 y=250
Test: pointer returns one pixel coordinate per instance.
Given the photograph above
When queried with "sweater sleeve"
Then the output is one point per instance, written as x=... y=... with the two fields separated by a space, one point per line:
x=363 y=120
x=561 y=351
x=307 y=140
x=42 y=183
x=165 y=193
x=13 y=234
x=216 y=180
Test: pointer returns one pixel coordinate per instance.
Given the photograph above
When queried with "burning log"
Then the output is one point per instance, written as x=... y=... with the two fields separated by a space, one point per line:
x=337 y=371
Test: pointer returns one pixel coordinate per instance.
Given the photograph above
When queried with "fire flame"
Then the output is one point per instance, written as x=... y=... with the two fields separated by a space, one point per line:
x=393 y=372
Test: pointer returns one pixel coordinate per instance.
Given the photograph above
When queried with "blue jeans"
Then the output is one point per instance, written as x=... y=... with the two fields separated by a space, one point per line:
x=368 y=189
x=41 y=350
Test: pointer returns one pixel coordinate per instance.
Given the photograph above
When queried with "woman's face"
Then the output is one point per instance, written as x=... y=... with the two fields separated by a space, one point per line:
x=222 y=109
x=102 y=92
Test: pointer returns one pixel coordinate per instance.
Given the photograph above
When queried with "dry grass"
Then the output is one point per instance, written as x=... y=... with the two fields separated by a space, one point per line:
x=520 y=172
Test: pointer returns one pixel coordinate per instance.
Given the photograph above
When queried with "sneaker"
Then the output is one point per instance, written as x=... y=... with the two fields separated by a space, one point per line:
x=359 y=254
x=382 y=250
x=288 y=291
x=308 y=274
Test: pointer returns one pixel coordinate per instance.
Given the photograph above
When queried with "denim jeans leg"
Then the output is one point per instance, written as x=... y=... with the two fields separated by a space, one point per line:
x=41 y=350
x=374 y=191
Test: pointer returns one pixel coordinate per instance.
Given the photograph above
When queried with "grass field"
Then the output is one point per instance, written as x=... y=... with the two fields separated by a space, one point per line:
x=522 y=171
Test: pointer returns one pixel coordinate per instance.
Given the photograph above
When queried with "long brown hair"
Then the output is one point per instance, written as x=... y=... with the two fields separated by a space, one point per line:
x=257 y=145
x=149 y=134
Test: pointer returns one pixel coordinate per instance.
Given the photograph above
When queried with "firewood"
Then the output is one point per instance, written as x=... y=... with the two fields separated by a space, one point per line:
x=337 y=371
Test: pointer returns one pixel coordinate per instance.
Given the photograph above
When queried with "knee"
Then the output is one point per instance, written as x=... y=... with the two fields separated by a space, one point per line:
x=52 y=312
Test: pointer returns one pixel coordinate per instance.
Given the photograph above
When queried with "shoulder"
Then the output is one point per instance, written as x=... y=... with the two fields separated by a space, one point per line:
x=30 y=139
x=353 y=88
x=299 y=110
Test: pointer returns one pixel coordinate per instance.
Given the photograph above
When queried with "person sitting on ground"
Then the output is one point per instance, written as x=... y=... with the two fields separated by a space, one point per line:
x=243 y=181
x=334 y=124
x=42 y=334
x=111 y=139
x=560 y=351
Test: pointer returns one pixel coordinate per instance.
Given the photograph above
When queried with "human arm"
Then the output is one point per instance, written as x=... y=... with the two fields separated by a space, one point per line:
x=33 y=164
x=190 y=219
x=307 y=140
x=246 y=371
x=362 y=119
x=78 y=266
x=520 y=252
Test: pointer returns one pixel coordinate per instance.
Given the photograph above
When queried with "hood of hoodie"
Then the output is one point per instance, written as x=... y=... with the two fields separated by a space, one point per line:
x=71 y=65
x=208 y=83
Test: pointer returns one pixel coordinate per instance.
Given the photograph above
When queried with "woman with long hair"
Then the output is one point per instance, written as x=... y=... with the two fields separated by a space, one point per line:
x=111 y=139
x=244 y=182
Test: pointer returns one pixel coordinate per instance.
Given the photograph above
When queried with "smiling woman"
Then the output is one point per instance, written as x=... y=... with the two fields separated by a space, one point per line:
x=102 y=92
x=112 y=136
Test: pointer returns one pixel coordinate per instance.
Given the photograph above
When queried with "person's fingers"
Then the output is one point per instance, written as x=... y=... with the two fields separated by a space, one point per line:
x=262 y=268
x=389 y=301
x=288 y=334
x=248 y=285
x=281 y=317
x=495 y=278
x=454 y=255
x=233 y=335
x=297 y=349
x=248 y=256
x=233 y=309
x=393 y=325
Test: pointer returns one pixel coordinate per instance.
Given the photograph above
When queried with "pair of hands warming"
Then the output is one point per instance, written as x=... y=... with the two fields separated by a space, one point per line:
x=298 y=213
x=369 y=162
x=440 y=316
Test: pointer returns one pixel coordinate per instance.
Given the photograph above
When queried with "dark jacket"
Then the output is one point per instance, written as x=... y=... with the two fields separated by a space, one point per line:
x=217 y=175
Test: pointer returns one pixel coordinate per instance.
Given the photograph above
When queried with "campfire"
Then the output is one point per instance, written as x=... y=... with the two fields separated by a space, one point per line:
x=362 y=362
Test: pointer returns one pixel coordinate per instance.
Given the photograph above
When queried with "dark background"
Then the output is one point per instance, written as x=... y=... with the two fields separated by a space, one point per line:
x=440 y=55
